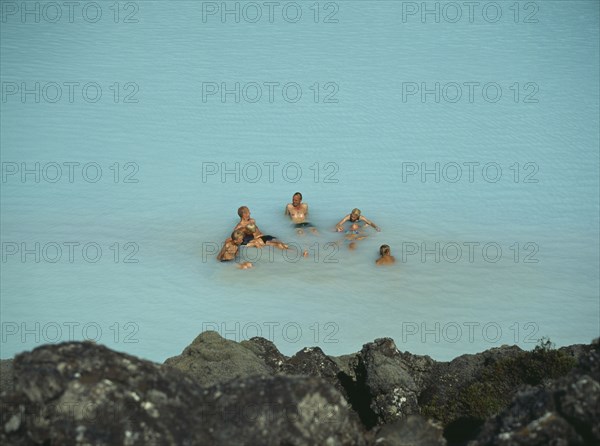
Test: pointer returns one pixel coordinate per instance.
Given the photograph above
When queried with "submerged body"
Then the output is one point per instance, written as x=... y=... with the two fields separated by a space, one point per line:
x=386 y=256
x=256 y=240
x=252 y=236
x=298 y=213
x=231 y=247
x=354 y=217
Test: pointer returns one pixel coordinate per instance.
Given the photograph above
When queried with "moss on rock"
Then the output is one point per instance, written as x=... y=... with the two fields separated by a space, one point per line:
x=497 y=383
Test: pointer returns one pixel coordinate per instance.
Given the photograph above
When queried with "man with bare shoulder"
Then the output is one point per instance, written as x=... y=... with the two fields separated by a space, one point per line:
x=354 y=217
x=245 y=219
x=231 y=248
x=298 y=213
x=386 y=257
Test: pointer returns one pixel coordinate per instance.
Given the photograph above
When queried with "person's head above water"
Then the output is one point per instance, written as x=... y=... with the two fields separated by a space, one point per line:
x=297 y=199
x=355 y=214
x=354 y=227
x=251 y=228
x=237 y=236
x=242 y=210
x=384 y=250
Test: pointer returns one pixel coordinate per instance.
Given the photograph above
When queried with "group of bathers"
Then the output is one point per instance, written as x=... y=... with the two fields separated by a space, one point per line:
x=246 y=232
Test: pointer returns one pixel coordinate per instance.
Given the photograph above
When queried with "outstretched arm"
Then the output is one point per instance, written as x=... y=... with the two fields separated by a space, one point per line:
x=370 y=223
x=341 y=222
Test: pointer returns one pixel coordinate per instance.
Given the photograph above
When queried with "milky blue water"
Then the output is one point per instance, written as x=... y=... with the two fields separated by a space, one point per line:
x=485 y=185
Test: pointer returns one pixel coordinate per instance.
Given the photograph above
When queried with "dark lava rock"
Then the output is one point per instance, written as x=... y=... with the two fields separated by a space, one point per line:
x=6 y=375
x=414 y=431
x=267 y=352
x=466 y=391
x=211 y=360
x=445 y=394
x=83 y=393
x=222 y=392
x=420 y=368
x=588 y=358
x=565 y=411
x=391 y=389
x=348 y=365
x=311 y=361
x=282 y=410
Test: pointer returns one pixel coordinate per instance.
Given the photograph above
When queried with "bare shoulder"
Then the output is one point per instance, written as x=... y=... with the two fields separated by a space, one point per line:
x=387 y=260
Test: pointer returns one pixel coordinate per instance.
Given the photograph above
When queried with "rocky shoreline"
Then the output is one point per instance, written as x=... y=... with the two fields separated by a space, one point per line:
x=220 y=392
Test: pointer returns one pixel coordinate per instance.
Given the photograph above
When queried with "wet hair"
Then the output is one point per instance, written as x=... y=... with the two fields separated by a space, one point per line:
x=237 y=234
x=299 y=194
x=251 y=228
x=384 y=250
x=241 y=210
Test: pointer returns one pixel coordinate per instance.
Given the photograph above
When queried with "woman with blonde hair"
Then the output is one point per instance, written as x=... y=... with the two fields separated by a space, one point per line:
x=354 y=217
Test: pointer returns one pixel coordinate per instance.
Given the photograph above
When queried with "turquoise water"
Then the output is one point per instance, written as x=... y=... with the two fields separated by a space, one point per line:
x=360 y=135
